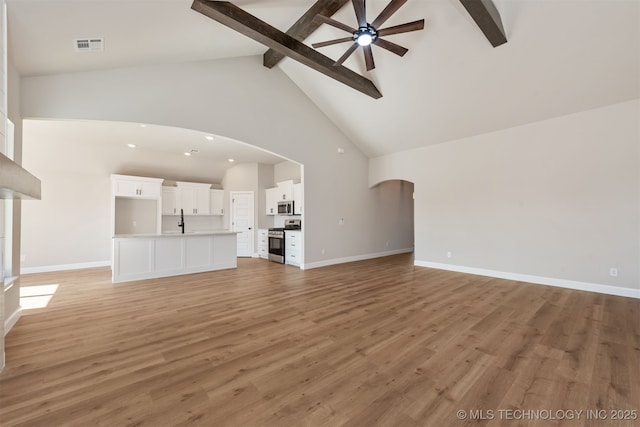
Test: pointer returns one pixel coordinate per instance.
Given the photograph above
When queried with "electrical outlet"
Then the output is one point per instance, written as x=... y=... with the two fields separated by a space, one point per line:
x=613 y=272
x=23 y=258
x=322 y=251
x=387 y=244
x=135 y=223
x=449 y=255
x=341 y=221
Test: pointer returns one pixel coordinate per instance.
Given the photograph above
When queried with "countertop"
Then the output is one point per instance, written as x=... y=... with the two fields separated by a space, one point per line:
x=176 y=234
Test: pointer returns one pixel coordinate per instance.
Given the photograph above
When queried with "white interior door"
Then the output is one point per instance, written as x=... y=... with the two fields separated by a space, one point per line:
x=242 y=220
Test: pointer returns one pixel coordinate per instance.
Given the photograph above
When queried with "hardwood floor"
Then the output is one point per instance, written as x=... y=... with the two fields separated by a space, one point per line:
x=376 y=342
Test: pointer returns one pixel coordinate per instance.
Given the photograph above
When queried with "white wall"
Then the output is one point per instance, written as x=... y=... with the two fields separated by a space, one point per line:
x=555 y=199
x=241 y=99
x=71 y=224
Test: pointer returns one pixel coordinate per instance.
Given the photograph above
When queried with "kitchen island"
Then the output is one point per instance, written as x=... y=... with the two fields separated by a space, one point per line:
x=147 y=256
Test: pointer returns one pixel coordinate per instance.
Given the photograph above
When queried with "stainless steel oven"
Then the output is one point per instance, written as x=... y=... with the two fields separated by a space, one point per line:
x=276 y=239
x=276 y=245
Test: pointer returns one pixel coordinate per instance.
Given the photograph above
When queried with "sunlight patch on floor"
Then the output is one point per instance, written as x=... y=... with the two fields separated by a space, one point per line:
x=32 y=297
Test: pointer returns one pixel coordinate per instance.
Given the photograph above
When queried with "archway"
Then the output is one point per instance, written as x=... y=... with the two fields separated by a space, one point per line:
x=396 y=199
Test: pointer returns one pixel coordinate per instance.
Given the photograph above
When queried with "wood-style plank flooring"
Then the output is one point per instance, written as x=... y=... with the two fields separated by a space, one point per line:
x=371 y=343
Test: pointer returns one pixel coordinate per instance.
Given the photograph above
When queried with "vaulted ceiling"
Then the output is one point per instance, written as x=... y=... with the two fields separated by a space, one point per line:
x=561 y=57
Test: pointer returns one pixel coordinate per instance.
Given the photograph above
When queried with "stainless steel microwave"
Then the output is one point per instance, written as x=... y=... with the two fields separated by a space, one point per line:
x=285 y=207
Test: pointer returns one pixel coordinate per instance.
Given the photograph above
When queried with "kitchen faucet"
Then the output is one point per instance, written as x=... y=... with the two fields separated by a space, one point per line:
x=181 y=223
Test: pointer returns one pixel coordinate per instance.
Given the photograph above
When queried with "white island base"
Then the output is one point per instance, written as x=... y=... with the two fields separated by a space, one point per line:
x=137 y=257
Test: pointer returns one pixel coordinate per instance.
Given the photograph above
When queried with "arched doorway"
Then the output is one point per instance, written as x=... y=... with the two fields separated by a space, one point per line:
x=396 y=201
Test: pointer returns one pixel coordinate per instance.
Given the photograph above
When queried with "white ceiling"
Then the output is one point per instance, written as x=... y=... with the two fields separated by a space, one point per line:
x=163 y=146
x=562 y=57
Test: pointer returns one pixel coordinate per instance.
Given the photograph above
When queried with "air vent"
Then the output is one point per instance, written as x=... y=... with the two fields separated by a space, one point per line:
x=89 y=45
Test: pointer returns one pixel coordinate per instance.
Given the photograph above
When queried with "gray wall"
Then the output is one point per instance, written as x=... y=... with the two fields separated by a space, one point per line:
x=241 y=99
x=554 y=199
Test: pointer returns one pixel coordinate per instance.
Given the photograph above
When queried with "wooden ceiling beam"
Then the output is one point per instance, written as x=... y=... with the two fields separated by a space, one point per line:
x=258 y=30
x=487 y=17
x=305 y=26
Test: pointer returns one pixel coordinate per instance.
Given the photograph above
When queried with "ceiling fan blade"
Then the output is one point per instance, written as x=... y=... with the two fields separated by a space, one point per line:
x=334 y=23
x=391 y=47
x=386 y=13
x=330 y=42
x=361 y=13
x=368 y=58
x=403 y=28
x=346 y=54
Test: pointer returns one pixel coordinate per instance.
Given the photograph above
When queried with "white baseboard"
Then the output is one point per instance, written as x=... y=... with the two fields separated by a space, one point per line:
x=12 y=320
x=333 y=261
x=62 y=267
x=540 y=280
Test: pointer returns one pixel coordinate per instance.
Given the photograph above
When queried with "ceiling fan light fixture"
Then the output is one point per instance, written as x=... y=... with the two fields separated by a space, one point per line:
x=364 y=36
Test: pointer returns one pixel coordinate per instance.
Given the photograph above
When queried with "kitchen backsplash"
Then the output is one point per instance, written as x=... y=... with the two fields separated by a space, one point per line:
x=193 y=223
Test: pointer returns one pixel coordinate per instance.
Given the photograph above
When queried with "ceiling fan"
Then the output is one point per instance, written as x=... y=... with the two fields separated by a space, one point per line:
x=370 y=33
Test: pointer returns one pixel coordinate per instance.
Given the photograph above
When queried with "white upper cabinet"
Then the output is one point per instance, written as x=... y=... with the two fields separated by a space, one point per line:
x=194 y=198
x=136 y=186
x=285 y=190
x=170 y=204
x=298 y=198
x=272 y=199
x=217 y=202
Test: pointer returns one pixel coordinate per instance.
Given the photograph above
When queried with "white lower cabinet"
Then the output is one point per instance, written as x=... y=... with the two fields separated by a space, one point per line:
x=197 y=252
x=293 y=247
x=263 y=243
x=137 y=258
x=168 y=256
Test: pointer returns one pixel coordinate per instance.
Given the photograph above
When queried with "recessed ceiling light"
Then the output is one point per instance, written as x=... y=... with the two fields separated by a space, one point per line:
x=131 y=145
x=143 y=126
x=209 y=137
x=231 y=160
x=186 y=153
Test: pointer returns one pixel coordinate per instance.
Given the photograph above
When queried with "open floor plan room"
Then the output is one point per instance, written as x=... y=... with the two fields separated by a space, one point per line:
x=376 y=342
